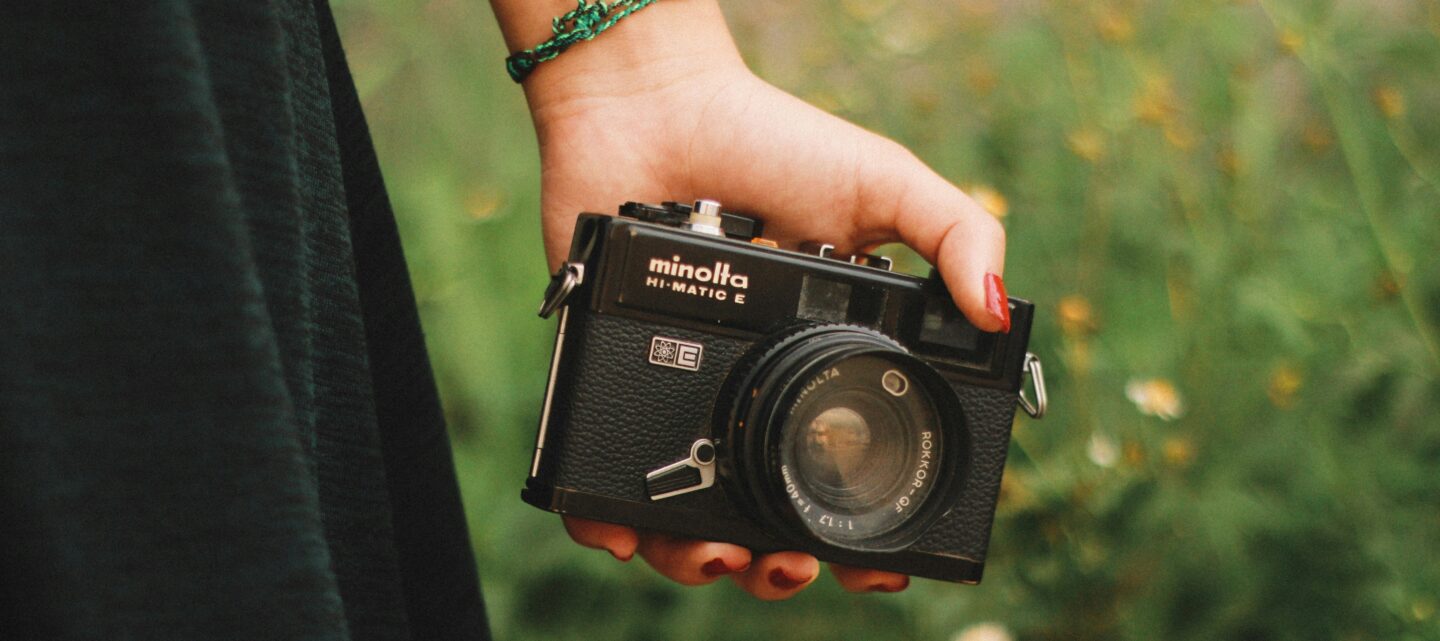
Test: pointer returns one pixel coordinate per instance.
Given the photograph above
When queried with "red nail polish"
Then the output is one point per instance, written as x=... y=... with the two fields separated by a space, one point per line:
x=715 y=567
x=892 y=587
x=780 y=579
x=996 y=302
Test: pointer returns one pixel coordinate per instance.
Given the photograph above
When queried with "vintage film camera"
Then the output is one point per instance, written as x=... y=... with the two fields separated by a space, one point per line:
x=708 y=384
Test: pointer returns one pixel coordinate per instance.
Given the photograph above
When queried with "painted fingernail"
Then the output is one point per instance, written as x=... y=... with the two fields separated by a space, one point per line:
x=996 y=302
x=783 y=581
x=715 y=567
x=897 y=586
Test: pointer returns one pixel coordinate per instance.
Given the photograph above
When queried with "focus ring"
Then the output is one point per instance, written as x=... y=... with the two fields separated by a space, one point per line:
x=755 y=415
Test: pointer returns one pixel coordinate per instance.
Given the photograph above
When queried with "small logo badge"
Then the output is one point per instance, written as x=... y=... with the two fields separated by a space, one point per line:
x=673 y=352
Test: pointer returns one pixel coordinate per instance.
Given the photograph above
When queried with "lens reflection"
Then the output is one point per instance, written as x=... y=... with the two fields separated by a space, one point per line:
x=835 y=446
x=852 y=454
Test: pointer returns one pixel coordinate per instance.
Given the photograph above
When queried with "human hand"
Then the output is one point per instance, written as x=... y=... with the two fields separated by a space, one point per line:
x=643 y=114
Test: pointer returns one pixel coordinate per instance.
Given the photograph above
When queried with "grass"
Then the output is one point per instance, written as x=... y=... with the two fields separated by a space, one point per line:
x=1232 y=208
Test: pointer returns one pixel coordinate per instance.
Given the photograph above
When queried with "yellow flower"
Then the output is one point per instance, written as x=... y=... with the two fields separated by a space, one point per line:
x=483 y=203
x=1390 y=101
x=1155 y=397
x=1285 y=381
x=1291 y=40
x=1077 y=318
x=992 y=201
x=1156 y=103
x=1115 y=27
x=1087 y=143
x=1178 y=451
x=1422 y=609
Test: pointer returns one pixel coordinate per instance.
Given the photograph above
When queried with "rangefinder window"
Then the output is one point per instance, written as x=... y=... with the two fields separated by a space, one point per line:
x=822 y=299
x=833 y=301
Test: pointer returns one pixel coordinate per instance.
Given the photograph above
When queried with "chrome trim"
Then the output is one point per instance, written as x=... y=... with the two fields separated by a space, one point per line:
x=571 y=275
x=707 y=470
x=549 y=392
x=1037 y=378
x=871 y=260
x=705 y=218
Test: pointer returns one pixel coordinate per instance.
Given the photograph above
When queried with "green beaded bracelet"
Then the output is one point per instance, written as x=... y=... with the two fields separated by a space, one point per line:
x=582 y=23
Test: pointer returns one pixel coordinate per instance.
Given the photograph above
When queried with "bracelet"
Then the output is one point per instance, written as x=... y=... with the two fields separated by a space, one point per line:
x=582 y=23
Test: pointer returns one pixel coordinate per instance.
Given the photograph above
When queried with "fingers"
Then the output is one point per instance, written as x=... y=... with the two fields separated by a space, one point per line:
x=777 y=576
x=866 y=580
x=945 y=226
x=823 y=179
x=690 y=562
x=684 y=561
x=620 y=541
x=770 y=577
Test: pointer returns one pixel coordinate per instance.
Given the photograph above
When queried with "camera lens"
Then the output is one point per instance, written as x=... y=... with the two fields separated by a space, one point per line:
x=846 y=436
x=857 y=454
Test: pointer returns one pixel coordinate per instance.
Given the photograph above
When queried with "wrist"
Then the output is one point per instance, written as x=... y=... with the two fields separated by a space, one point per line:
x=666 y=46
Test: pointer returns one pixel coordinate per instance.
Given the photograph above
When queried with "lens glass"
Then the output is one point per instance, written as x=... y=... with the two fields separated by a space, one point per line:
x=860 y=448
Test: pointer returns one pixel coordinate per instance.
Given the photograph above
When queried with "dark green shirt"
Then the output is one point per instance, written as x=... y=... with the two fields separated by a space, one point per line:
x=217 y=420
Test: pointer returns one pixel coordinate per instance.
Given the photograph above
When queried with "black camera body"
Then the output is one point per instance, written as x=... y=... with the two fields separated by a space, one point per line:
x=708 y=384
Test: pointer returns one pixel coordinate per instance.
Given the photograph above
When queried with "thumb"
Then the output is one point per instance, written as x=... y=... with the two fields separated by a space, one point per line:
x=904 y=197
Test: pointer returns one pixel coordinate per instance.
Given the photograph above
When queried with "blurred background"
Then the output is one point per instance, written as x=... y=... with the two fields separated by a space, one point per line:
x=1226 y=211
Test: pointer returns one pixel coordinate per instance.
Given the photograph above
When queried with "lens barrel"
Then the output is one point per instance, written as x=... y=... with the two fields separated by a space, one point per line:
x=836 y=433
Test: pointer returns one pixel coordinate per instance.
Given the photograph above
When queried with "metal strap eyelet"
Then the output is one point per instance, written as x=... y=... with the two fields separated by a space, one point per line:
x=565 y=280
x=1037 y=378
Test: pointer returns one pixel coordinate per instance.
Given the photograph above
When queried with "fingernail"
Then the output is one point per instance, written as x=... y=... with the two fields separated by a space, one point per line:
x=903 y=583
x=783 y=581
x=715 y=567
x=625 y=558
x=996 y=302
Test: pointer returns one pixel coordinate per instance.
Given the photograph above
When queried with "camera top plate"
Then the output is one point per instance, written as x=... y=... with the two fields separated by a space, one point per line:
x=648 y=266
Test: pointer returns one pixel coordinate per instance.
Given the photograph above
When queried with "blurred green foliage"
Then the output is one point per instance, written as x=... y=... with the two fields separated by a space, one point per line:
x=1227 y=212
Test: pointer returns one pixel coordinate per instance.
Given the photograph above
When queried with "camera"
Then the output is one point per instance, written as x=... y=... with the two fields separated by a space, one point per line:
x=710 y=384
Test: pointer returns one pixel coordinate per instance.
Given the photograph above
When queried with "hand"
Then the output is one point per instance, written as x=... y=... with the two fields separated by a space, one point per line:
x=619 y=119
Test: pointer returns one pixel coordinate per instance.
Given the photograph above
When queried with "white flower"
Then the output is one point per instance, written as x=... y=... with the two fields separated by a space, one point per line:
x=984 y=632
x=1155 y=397
x=1103 y=451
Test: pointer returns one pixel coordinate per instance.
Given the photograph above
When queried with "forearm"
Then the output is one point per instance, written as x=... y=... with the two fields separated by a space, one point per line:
x=665 y=43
